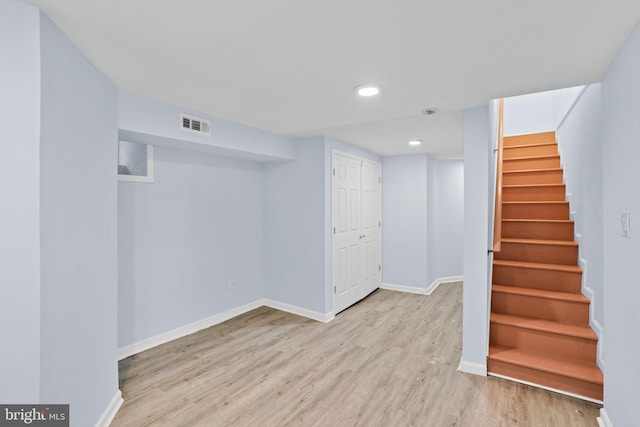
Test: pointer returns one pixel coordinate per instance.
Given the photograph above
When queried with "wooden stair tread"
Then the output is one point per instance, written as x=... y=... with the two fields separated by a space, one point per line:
x=544 y=156
x=584 y=371
x=540 y=242
x=534 y=170
x=540 y=293
x=539 y=144
x=535 y=202
x=542 y=325
x=532 y=186
x=538 y=266
x=538 y=220
x=551 y=135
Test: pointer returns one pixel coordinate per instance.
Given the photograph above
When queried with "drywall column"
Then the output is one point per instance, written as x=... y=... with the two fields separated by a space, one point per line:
x=476 y=212
x=78 y=217
x=20 y=189
x=621 y=175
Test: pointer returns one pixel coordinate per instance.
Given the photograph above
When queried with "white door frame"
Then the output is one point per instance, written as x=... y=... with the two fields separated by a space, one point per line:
x=378 y=165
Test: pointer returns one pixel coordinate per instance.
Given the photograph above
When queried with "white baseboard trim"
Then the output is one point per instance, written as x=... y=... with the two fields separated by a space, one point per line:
x=315 y=315
x=544 y=387
x=599 y=330
x=441 y=280
x=421 y=291
x=110 y=411
x=402 y=288
x=185 y=330
x=603 y=419
x=182 y=331
x=588 y=292
x=472 y=368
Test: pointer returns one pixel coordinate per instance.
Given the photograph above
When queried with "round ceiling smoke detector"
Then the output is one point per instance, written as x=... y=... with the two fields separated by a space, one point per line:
x=367 y=90
x=415 y=142
x=430 y=111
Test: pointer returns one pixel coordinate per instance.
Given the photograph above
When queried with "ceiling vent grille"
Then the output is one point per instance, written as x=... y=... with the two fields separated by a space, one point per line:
x=195 y=124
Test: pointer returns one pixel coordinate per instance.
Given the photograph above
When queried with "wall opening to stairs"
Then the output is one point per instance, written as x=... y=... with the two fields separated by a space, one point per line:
x=541 y=325
x=574 y=114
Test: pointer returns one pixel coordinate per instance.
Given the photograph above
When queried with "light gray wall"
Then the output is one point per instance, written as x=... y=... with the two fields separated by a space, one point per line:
x=19 y=215
x=78 y=230
x=293 y=213
x=446 y=210
x=147 y=120
x=182 y=240
x=297 y=224
x=579 y=140
x=423 y=217
x=531 y=113
x=621 y=175
x=476 y=212
x=294 y=228
x=562 y=101
x=404 y=219
x=538 y=112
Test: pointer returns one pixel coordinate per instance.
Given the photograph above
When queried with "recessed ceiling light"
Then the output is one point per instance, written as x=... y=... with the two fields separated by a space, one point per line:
x=429 y=111
x=415 y=142
x=367 y=90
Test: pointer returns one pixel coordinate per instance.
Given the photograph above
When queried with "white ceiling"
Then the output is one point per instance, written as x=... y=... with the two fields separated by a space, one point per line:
x=289 y=66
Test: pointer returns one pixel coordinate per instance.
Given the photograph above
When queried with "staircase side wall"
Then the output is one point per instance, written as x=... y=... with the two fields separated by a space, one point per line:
x=579 y=138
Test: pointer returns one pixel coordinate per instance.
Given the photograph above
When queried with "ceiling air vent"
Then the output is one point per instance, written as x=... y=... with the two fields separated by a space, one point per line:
x=195 y=124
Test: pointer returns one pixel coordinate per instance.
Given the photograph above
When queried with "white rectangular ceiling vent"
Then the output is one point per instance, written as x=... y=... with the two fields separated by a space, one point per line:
x=195 y=124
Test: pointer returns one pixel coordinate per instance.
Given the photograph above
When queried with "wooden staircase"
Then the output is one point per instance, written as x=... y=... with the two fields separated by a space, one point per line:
x=539 y=330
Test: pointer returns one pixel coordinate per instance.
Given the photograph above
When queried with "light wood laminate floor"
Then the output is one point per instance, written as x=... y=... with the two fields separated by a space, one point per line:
x=390 y=360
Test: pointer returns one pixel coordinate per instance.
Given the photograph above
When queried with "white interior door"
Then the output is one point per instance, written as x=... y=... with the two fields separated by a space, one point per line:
x=347 y=233
x=371 y=182
x=356 y=201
